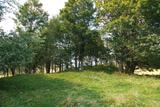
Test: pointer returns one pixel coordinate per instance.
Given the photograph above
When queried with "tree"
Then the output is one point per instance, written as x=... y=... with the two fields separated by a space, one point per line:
x=149 y=51
x=94 y=47
x=30 y=20
x=150 y=43
x=79 y=15
x=50 y=35
x=56 y=48
x=31 y=17
x=123 y=19
x=14 y=52
x=133 y=28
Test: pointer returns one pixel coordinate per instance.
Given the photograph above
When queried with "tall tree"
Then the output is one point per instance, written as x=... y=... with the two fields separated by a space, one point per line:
x=79 y=15
x=134 y=31
x=50 y=35
x=30 y=20
x=57 y=43
x=125 y=23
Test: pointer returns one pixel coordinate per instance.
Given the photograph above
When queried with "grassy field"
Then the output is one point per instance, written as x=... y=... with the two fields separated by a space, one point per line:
x=80 y=89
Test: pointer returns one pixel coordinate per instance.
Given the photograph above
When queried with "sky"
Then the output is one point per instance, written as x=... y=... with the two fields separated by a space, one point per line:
x=51 y=6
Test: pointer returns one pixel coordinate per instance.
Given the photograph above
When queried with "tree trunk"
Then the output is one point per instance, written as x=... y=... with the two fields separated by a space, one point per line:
x=82 y=63
x=62 y=67
x=91 y=63
x=66 y=65
x=34 y=69
x=76 y=65
x=7 y=72
x=19 y=70
x=130 y=68
x=48 y=65
x=28 y=69
x=70 y=64
x=13 y=71
x=121 y=67
x=96 y=61
x=101 y=61
x=55 y=67
x=79 y=64
x=52 y=66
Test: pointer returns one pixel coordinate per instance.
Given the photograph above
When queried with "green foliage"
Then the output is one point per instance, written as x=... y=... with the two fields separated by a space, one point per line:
x=55 y=44
x=125 y=28
x=151 y=13
x=129 y=24
x=30 y=20
x=149 y=51
x=31 y=17
x=95 y=45
x=79 y=15
x=14 y=52
x=130 y=27
x=87 y=89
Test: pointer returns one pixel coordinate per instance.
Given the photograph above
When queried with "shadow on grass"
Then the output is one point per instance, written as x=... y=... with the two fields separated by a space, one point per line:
x=149 y=76
x=109 y=69
x=44 y=91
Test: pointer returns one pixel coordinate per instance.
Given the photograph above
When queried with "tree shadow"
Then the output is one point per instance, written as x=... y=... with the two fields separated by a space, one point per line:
x=43 y=91
x=109 y=69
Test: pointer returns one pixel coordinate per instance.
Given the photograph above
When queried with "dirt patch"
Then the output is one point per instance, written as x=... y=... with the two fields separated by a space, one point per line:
x=154 y=72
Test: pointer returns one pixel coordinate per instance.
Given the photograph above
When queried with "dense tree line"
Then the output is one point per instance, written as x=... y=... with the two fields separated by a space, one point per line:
x=85 y=33
x=134 y=31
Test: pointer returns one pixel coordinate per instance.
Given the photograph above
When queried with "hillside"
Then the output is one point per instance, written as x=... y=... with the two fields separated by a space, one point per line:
x=79 y=89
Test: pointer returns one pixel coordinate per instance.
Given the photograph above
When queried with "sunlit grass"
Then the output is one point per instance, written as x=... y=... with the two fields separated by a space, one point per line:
x=80 y=89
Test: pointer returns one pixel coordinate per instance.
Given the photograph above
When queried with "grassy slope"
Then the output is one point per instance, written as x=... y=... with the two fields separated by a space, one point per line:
x=82 y=89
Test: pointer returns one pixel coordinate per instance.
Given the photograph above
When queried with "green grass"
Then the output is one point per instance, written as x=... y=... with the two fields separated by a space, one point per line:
x=79 y=89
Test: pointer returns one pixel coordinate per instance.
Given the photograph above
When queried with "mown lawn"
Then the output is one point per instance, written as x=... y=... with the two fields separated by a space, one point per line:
x=80 y=89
